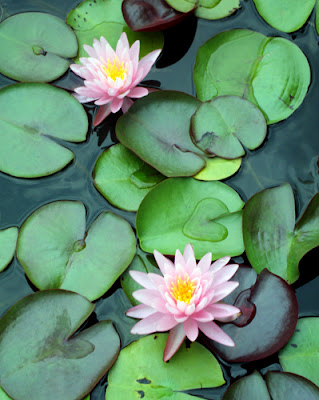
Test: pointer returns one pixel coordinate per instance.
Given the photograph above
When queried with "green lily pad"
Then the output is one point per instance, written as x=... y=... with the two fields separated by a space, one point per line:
x=8 y=241
x=183 y=210
x=141 y=262
x=183 y=6
x=123 y=178
x=4 y=396
x=218 y=168
x=225 y=124
x=148 y=376
x=285 y=15
x=37 y=353
x=317 y=17
x=301 y=354
x=241 y=62
x=31 y=116
x=222 y=9
x=35 y=47
x=157 y=129
x=56 y=251
x=271 y=239
x=95 y=18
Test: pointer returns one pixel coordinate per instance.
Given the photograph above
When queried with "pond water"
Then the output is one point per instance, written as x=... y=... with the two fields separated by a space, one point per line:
x=289 y=154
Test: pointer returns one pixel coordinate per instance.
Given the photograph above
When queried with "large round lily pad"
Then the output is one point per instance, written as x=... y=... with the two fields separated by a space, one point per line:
x=271 y=238
x=35 y=47
x=147 y=375
x=285 y=15
x=301 y=354
x=183 y=210
x=56 y=251
x=31 y=116
x=123 y=178
x=8 y=240
x=241 y=62
x=92 y=19
x=157 y=129
x=39 y=360
x=226 y=125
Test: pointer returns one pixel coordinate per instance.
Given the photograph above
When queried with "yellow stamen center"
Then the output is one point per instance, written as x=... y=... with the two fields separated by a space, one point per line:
x=114 y=70
x=183 y=290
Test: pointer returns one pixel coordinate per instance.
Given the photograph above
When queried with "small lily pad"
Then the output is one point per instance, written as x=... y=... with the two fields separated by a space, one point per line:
x=241 y=62
x=123 y=178
x=222 y=9
x=183 y=6
x=301 y=354
x=35 y=47
x=218 y=168
x=93 y=19
x=38 y=353
x=183 y=210
x=147 y=375
x=32 y=115
x=225 y=124
x=8 y=241
x=56 y=251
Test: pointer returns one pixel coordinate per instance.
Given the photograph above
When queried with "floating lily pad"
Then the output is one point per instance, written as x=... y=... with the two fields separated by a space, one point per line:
x=183 y=6
x=277 y=386
x=241 y=62
x=123 y=178
x=271 y=239
x=301 y=354
x=37 y=353
x=271 y=326
x=142 y=262
x=4 y=396
x=8 y=241
x=157 y=129
x=147 y=375
x=31 y=115
x=285 y=15
x=218 y=168
x=93 y=19
x=183 y=210
x=226 y=125
x=56 y=251
x=35 y=47
x=222 y=9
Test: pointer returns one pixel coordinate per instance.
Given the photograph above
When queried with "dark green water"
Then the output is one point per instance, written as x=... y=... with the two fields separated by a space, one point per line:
x=290 y=154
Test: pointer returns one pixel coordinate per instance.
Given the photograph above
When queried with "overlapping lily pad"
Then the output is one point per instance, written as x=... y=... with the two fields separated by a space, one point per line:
x=8 y=240
x=35 y=47
x=301 y=354
x=241 y=62
x=267 y=327
x=184 y=6
x=276 y=386
x=146 y=375
x=218 y=168
x=31 y=116
x=142 y=262
x=183 y=210
x=4 y=396
x=271 y=238
x=222 y=9
x=95 y=18
x=38 y=359
x=123 y=178
x=226 y=125
x=285 y=15
x=56 y=251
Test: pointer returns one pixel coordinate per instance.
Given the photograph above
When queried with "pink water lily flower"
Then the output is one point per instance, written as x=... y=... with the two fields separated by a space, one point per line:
x=111 y=77
x=185 y=299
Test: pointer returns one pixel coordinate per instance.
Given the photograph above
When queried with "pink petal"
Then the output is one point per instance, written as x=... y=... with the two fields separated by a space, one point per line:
x=147 y=62
x=103 y=100
x=140 y=311
x=175 y=339
x=90 y=50
x=101 y=114
x=189 y=257
x=214 y=332
x=122 y=45
x=142 y=278
x=134 y=55
x=203 y=316
x=165 y=265
x=223 y=290
x=222 y=312
x=205 y=263
x=138 y=92
x=82 y=99
x=190 y=309
x=116 y=105
x=151 y=298
x=191 y=329
x=224 y=274
x=217 y=265
x=127 y=103
x=156 y=279
x=157 y=322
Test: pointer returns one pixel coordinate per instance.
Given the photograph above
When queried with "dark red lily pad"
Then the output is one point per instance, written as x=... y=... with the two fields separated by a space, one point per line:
x=270 y=329
x=150 y=15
